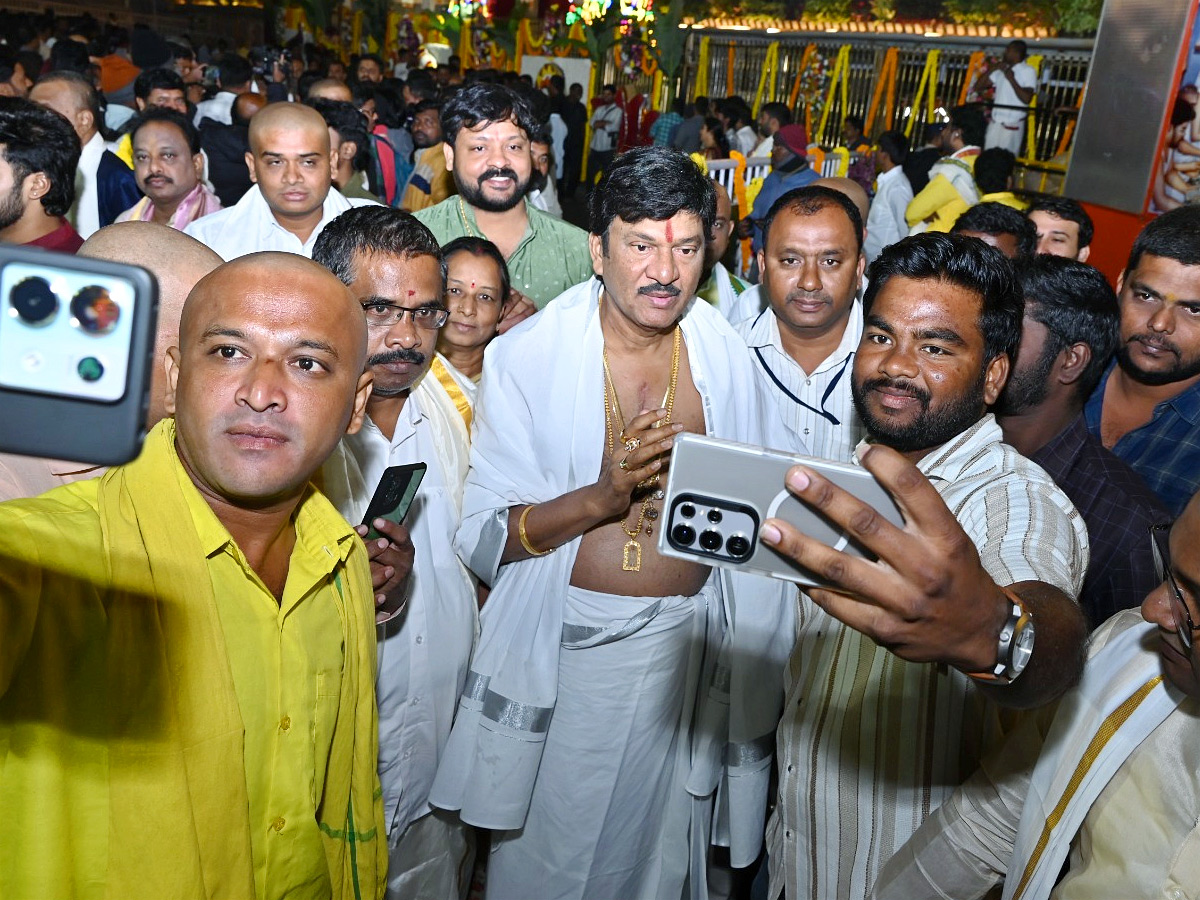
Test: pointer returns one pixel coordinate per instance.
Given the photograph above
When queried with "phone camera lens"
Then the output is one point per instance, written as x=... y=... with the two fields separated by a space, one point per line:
x=687 y=510
x=90 y=369
x=738 y=547
x=33 y=301
x=95 y=310
x=714 y=516
x=684 y=535
x=711 y=540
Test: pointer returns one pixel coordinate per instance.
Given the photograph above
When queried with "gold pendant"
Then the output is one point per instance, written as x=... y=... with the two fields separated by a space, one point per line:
x=631 y=559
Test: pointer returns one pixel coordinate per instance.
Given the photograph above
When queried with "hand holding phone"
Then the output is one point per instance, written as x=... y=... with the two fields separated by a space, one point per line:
x=396 y=491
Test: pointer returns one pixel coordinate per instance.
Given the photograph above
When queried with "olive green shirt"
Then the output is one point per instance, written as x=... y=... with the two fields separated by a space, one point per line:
x=552 y=256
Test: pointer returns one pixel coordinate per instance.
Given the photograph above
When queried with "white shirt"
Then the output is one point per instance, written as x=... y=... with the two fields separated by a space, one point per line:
x=250 y=226
x=747 y=137
x=423 y=652
x=87 y=193
x=606 y=125
x=219 y=109
x=748 y=304
x=870 y=744
x=546 y=200
x=885 y=222
x=816 y=408
x=558 y=138
x=1006 y=94
x=764 y=148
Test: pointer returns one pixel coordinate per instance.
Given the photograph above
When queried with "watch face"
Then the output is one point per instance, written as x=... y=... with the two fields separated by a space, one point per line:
x=1022 y=649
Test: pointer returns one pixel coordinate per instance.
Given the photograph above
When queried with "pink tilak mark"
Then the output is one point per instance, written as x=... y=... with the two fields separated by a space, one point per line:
x=670 y=235
x=412 y=293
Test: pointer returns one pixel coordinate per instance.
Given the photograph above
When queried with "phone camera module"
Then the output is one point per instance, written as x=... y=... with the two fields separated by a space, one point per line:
x=90 y=369
x=714 y=516
x=33 y=302
x=711 y=540
x=687 y=510
x=684 y=535
x=738 y=547
x=95 y=311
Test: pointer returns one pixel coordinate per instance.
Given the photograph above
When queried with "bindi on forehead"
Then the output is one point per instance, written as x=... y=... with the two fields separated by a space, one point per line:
x=412 y=293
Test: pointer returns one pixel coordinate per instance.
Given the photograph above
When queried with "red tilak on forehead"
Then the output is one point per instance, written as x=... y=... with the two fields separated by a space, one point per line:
x=472 y=285
x=412 y=293
x=670 y=235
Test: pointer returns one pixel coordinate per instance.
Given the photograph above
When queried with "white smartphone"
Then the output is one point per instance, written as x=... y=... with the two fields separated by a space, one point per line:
x=720 y=492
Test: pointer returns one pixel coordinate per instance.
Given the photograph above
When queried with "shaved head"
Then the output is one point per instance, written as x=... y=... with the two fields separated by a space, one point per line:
x=245 y=106
x=269 y=374
x=330 y=89
x=284 y=117
x=851 y=189
x=177 y=262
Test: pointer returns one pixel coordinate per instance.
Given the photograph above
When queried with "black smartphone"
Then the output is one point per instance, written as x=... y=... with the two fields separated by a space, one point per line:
x=395 y=494
x=76 y=353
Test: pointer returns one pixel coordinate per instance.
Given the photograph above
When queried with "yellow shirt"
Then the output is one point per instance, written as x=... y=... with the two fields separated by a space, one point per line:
x=143 y=695
x=286 y=659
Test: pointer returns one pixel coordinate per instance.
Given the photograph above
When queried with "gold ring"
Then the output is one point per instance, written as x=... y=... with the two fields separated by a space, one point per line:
x=624 y=464
x=632 y=444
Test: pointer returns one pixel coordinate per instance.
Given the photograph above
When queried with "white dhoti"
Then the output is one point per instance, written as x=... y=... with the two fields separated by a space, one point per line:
x=1005 y=136
x=610 y=814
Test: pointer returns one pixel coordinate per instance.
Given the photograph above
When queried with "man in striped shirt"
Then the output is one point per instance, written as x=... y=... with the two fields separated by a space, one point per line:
x=873 y=741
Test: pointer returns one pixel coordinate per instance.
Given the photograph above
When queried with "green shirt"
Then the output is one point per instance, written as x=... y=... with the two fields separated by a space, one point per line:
x=552 y=256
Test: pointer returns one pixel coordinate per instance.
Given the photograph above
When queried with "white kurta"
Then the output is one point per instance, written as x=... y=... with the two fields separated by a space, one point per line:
x=545 y=648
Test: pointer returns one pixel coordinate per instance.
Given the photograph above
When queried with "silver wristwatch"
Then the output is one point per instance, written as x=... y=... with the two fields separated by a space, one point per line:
x=1015 y=646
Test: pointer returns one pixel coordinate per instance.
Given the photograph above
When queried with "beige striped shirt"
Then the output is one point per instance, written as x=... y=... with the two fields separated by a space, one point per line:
x=869 y=744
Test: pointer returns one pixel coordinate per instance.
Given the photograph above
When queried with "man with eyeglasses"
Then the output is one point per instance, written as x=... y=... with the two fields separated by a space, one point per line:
x=1105 y=782
x=394 y=268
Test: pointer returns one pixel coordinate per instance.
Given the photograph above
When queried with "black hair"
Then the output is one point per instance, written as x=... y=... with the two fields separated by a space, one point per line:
x=370 y=57
x=993 y=169
x=777 y=111
x=9 y=62
x=421 y=84
x=558 y=83
x=150 y=80
x=970 y=121
x=478 y=246
x=31 y=61
x=426 y=105
x=895 y=145
x=853 y=121
x=1078 y=306
x=736 y=110
x=717 y=130
x=651 y=183
x=701 y=105
x=542 y=135
x=482 y=104
x=233 y=71
x=810 y=200
x=1021 y=47
x=350 y=124
x=34 y=138
x=997 y=218
x=1068 y=209
x=191 y=134
x=611 y=88
x=374 y=229
x=1181 y=112
x=69 y=56
x=1173 y=235
x=968 y=263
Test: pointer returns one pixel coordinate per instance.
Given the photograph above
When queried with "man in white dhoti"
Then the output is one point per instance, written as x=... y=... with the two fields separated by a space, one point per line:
x=610 y=682
x=1105 y=782
x=393 y=267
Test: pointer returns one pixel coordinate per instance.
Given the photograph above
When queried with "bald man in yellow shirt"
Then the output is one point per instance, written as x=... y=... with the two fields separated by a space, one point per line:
x=187 y=645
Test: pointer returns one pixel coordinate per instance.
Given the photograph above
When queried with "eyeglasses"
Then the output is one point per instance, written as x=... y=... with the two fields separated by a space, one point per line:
x=1184 y=626
x=385 y=315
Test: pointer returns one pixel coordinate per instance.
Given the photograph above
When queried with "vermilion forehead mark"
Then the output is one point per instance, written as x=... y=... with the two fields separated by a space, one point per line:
x=670 y=234
x=472 y=285
x=412 y=293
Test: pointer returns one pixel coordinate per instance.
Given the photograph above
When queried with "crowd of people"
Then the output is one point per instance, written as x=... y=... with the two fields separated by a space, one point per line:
x=214 y=683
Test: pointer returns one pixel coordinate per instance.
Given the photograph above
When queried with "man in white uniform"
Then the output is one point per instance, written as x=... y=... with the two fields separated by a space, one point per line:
x=291 y=164
x=577 y=734
x=1015 y=83
x=393 y=267
x=803 y=344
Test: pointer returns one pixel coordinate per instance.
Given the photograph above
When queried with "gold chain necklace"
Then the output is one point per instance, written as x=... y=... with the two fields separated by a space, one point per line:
x=462 y=211
x=614 y=424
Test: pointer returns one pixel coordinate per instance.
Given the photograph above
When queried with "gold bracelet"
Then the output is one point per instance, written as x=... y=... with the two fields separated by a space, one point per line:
x=529 y=548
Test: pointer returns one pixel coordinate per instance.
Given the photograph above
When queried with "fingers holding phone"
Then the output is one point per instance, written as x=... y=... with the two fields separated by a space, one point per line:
x=391 y=557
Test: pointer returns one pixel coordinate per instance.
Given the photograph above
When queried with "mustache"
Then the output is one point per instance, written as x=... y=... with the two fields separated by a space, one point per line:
x=897 y=384
x=657 y=288
x=504 y=172
x=809 y=295
x=415 y=357
x=1154 y=341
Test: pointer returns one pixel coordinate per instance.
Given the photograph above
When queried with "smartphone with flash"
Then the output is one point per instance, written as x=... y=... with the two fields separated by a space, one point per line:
x=395 y=494
x=720 y=492
x=76 y=354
